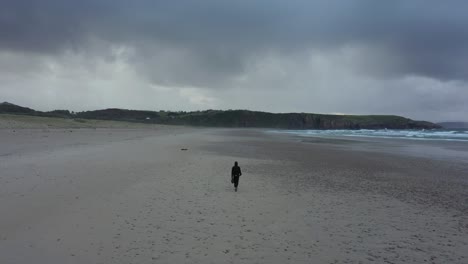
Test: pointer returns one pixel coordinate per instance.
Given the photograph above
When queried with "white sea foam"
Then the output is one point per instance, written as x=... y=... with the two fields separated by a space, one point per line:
x=436 y=134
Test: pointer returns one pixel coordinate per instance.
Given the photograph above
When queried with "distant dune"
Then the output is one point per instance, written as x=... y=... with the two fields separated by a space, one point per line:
x=10 y=121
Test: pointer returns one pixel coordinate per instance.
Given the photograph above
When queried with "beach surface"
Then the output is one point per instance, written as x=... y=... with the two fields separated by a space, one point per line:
x=162 y=194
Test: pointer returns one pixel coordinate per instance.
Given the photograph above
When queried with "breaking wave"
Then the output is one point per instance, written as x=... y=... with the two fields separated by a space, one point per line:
x=436 y=134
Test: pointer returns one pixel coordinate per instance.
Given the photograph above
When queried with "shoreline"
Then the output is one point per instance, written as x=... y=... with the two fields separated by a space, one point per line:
x=431 y=148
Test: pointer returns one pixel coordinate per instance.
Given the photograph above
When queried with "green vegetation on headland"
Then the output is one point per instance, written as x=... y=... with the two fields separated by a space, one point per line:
x=234 y=118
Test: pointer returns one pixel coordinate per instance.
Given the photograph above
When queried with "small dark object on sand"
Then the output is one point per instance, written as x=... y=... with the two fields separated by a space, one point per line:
x=183 y=149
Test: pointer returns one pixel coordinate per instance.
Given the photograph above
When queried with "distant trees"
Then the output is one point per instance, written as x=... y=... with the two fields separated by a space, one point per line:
x=234 y=118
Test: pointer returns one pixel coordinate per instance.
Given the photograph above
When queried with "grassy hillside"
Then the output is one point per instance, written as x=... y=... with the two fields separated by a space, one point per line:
x=233 y=118
x=245 y=118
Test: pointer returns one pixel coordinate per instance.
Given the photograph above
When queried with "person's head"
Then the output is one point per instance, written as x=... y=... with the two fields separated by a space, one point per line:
x=235 y=163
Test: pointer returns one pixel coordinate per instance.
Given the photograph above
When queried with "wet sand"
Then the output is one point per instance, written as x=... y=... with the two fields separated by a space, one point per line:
x=133 y=196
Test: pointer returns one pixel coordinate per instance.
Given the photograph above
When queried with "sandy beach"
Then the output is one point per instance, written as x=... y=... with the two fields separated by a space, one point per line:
x=132 y=195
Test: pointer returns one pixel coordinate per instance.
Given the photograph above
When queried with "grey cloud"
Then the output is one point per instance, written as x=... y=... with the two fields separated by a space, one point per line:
x=423 y=37
x=275 y=55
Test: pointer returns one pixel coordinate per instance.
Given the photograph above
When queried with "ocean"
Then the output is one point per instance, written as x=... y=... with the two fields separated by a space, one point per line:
x=433 y=134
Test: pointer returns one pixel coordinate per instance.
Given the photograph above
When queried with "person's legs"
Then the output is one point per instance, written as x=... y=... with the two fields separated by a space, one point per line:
x=236 y=182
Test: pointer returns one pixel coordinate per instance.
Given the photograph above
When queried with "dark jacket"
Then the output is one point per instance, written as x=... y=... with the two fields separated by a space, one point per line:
x=236 y=171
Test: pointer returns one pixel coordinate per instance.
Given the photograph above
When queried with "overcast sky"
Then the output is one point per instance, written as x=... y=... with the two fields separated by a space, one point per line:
x=403 y=57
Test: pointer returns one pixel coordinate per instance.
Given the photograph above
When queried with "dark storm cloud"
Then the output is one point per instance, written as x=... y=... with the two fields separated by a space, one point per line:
x=217 y=37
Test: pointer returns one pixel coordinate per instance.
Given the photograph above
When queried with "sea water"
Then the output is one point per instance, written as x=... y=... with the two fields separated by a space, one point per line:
x=432 y=134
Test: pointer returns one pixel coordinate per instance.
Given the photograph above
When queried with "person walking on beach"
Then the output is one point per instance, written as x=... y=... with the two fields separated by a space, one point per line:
x=235 y=174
